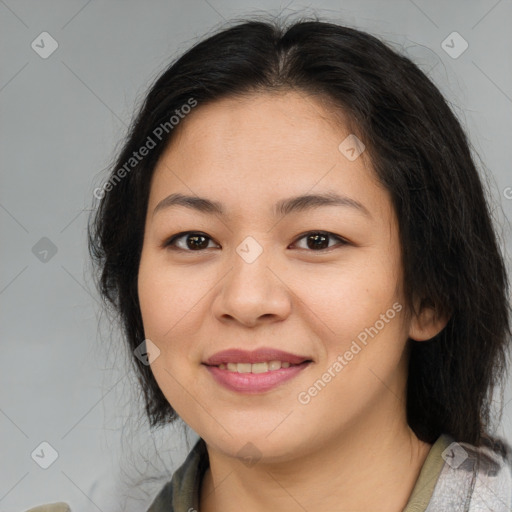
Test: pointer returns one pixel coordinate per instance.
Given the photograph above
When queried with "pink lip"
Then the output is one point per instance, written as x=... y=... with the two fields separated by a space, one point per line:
x=255 y=382
x=260 y=355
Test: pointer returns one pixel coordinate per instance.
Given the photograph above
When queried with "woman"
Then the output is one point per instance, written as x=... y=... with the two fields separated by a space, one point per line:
x=297 y=243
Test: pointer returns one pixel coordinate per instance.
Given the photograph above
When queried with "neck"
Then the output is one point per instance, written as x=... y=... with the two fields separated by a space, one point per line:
x=370 y=469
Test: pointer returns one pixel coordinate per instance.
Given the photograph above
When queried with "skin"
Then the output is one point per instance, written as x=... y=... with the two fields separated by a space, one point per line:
x=350 y=447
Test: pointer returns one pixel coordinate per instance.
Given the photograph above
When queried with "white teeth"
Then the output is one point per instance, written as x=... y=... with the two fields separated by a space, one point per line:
x=255 y=367
x=274 y=365
x=259 y=367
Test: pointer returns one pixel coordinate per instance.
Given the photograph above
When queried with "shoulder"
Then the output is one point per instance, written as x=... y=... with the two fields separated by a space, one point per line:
x=475 y=478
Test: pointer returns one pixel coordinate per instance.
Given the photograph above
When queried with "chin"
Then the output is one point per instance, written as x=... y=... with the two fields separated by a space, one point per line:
x=255 y=446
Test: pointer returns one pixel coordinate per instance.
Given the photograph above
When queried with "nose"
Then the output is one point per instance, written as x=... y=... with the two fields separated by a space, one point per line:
x=252 y=292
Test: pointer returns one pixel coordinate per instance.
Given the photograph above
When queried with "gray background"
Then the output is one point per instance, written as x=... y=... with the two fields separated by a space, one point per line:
x=61 y=120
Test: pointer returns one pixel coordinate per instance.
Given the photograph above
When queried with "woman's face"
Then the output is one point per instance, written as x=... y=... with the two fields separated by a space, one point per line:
x=316 y=278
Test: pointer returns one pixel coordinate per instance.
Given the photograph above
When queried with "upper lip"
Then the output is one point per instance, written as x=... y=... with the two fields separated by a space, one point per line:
x=260 y=355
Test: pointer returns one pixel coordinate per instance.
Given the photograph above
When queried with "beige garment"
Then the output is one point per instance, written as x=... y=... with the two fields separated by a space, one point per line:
x=51 y=507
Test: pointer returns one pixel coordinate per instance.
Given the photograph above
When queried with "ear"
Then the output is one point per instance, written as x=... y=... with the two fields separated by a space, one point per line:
x=427 y=323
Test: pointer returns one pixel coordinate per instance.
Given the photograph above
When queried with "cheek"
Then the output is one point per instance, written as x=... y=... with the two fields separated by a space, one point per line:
x=351 y=297
x=165 y=297
x=172 y=302
x=168 y=316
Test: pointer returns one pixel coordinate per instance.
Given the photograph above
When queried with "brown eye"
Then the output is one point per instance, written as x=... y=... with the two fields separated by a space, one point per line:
x=193 y=241
x=319 y=240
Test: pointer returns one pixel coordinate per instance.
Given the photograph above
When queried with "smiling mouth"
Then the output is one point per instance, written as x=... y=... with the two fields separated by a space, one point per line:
x=262 y=367
x=255 y=378
x=255 y=371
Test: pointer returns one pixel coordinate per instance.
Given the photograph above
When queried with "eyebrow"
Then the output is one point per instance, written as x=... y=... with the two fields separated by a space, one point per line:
x=284 y=207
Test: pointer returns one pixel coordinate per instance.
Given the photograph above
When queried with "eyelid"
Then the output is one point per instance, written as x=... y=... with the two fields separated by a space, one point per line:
x=169 y=242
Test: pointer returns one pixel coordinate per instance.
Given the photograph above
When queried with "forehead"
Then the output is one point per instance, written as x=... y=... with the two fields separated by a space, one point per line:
x=284 y=122
x=263 y=146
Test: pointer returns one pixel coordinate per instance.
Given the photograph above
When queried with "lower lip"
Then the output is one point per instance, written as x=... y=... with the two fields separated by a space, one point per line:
x=255 y=382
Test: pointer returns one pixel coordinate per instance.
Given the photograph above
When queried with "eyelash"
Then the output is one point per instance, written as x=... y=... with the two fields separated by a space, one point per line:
x=169 y=243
